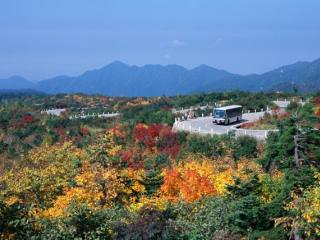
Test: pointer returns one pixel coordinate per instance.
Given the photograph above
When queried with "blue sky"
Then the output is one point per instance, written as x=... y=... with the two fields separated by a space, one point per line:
x=44 y=38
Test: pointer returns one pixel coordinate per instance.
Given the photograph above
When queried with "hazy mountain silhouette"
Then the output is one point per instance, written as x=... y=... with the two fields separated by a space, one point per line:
x=120 y=79
x=15 y=82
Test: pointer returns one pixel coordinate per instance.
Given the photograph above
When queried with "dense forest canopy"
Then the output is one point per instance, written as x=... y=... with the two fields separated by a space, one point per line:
x=132 y=177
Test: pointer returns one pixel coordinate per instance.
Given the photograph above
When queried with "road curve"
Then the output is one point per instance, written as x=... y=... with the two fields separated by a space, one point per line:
x=204 y=125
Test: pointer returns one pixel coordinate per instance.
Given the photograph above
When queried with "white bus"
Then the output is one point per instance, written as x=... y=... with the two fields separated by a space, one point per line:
x=227 y=115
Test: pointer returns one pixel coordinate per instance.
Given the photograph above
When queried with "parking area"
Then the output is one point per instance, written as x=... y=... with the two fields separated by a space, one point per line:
x=204 y=125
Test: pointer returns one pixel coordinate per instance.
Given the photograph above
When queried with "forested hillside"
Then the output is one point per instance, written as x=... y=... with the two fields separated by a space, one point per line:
x=132 y=177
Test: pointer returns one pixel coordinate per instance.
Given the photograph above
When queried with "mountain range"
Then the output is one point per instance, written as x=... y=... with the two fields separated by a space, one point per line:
x=120 y=79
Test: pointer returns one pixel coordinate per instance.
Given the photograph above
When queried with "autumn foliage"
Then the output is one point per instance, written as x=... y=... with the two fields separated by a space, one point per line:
x=188 y=185
x=157 y=136
x=130 y=179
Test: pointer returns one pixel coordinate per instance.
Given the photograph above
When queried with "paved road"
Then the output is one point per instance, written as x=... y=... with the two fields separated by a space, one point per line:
x=284 y=104
x=205 y=126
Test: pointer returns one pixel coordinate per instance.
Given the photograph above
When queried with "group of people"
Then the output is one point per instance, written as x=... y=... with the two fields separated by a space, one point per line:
x=189 y=115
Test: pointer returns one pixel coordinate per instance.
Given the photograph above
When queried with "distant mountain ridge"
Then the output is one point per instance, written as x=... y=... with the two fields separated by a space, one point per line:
x=15 y=82
x=120 y=79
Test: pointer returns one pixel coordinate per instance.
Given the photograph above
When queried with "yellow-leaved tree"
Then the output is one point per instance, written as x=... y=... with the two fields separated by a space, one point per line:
x=99 y=187
x=41 y=175
x=305 y=212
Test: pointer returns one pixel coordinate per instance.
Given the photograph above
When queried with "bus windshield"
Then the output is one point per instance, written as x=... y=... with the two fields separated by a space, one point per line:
x=219 y=113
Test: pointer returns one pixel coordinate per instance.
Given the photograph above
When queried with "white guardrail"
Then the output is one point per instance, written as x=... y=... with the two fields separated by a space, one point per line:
x=102 y=115
x=259 y=134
